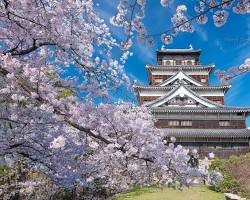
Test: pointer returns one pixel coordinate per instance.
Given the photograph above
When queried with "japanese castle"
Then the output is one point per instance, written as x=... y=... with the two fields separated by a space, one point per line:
x=186 y=107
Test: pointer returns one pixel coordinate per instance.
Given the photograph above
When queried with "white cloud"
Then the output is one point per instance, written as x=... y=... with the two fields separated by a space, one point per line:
x=144 y=53
x=248 y=28
x=219 y=45
x=201 y=32
x=112 y=4
x=135 y=79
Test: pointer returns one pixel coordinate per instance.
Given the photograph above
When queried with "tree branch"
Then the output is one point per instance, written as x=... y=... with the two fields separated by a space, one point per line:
x=190 y=19
x=15 y=52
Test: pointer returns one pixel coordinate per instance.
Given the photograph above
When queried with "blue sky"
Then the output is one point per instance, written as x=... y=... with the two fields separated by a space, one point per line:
x=225 y=46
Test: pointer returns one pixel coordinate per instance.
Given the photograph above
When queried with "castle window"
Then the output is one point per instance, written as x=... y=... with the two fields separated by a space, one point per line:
x=178 y=62
x=160 y=61
x=158 y=80
x=203 y=80
x=166 y=62
x=189 y=62
x=173 y=123
x=224 y=123
x=186 y=123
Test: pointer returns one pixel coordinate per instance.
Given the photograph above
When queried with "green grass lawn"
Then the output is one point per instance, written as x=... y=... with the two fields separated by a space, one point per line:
x=154 y=193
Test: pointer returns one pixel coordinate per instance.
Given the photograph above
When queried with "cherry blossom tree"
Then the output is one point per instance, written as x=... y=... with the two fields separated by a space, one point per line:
x=107 y=146
x=49 y=116
x=68 y=33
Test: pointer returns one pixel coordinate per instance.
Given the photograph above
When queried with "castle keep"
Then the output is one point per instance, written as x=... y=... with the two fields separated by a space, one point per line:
x=187 y=107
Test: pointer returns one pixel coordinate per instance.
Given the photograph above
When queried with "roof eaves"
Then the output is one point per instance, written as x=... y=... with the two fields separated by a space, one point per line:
x=166 y=68
x=156 y=87
x=201 y=133
x=202 y=110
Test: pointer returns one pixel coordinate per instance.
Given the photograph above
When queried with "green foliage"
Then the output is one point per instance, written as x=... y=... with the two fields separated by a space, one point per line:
x=236 y=172
x=51 y=75
x=22 y=104
x=11 y=101
x=229 y=184
x=35 y=176
x=59 y=84
x=218 y=165
x=63 y=194
x=65 y=93
x=7 y=101
x=4 y=170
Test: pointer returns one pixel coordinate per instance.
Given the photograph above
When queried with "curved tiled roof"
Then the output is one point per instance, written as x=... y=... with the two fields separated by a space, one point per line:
x=224 y=109
x=157 y=87
x=179 y=51
x=201 y=133
x=191 y=67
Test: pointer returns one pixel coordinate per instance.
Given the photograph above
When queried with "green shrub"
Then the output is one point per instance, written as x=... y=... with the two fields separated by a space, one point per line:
x=218 y=165
x=236 y=172
x=229 y=184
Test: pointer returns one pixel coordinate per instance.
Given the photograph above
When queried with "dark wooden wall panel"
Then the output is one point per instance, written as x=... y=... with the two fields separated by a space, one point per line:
x=199 y=124
x=163 y=77
x=217 y=99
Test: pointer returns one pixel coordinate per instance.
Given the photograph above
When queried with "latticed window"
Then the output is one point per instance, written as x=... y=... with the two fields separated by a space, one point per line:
x=178 y=62
x=173 y=123
x=158 y=80
x=224 y=123
x=186 y=123
x=166 y=62
x=203 y=80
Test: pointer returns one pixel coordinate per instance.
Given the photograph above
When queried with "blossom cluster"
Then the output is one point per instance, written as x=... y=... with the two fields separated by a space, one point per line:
x=70 y=34
x=227 y=76
x=132 y=22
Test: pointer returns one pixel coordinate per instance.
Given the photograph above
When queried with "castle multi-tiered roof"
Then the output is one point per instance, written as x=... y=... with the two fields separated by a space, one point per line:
x=186 y=107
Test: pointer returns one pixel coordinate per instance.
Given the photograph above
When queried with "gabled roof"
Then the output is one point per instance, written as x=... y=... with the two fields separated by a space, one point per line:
x=204 y=133
x=182 y=90
x=180 y=76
